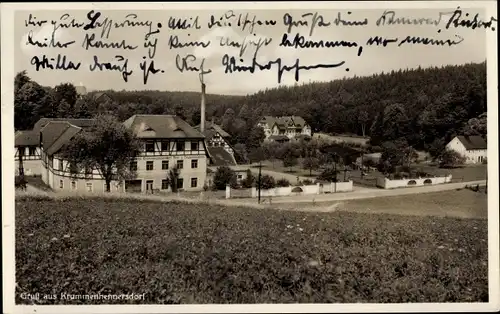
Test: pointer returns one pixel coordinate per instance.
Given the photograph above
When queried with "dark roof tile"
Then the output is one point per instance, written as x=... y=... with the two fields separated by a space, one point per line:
x=472 y=142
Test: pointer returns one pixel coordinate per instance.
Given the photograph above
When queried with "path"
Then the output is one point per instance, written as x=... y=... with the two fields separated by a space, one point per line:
x=363 y=193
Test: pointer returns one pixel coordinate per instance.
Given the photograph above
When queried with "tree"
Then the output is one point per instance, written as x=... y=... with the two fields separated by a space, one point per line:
x=363 y=119
x=28 y=100
x=66 y=92
x=328 y=174
x=241 y=154
x=290 y=161
x=310 y=163
x=180 y=112
x=64 y=110
x=256 y=137
x=436 y=147
x=108 y=147
x=477 y=126
x=196 y=117
x=20 y=79
x=256 y=154
x=450 y=159
x=224 y=176
x=267 y=182
x=173 y=178
x=249 y=181
x=282 y=182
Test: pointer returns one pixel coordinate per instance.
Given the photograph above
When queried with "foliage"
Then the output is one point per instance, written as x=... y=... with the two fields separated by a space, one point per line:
x=311 y=163
x=307 y=182
x=396 y=154
x=420 y=105
x=172 y=178
x=267 y=182
x=108 y=147
x=329 y=174
x=224 y=176
x=282 y=182
x=289 y=161
x=249 y=180
x=450 y=159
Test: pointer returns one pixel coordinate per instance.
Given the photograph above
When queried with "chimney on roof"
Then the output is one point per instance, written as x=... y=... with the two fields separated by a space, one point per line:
x=202 y=109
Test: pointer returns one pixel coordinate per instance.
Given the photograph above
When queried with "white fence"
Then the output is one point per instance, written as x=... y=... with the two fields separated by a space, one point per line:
x=305 y=189
x=386 y=183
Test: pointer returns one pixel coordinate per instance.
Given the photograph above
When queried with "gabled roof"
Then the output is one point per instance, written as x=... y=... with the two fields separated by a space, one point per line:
x=64 y=139
x=26 y=138
x=82 y=123
x=472 y=142
x=285 y=121
x=220 y=157
x=212 y=129
x=161 y=126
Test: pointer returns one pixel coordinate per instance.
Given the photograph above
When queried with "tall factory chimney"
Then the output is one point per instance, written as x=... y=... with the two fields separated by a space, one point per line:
x=202 y=109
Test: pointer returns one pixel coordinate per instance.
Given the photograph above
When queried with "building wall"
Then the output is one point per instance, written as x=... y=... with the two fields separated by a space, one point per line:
x=56 y=170
x=31 y=167
x=392 y=184
x=305 y=189
x=472 y=156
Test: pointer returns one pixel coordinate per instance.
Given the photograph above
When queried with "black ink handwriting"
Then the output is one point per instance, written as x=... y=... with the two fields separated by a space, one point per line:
x=90 y=42
x=389 y=18
x=300 y=42
x=224 y=20
x=60 y=63
x=340 y=21
x=71 y=24
x=429 y=41
x=243 y=22
x=379 y=40
x=457 y=21
x=102 y=66
x=231 y=66
x=53 y=43
x=183 y=64
x=32 y=21
x=183 y=24
x=150 y=69
x=225 y=41
x=107 y=24
x=316 y=20
x=173 y=43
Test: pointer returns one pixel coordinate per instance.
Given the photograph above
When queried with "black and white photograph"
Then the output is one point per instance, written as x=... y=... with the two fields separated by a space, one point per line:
x=250 y=156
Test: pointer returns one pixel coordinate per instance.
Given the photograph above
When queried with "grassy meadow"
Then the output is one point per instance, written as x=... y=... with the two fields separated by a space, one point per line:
x=179 y=253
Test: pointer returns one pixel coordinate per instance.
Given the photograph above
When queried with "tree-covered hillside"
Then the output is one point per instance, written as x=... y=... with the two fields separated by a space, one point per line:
x=425 y=106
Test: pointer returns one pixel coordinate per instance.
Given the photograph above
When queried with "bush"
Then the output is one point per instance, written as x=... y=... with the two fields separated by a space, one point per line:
x=224 y=176
x=450 y=159
x=267 y=182
x=283 y=183
x=249 y=181
x=307 y=182
x=329 y=174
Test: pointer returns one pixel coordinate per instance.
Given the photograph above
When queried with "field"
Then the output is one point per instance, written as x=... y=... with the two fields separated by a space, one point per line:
x=199 y=253
x=463 y=203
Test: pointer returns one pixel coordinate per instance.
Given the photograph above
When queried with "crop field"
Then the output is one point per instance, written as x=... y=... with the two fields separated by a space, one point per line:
x=179 y=253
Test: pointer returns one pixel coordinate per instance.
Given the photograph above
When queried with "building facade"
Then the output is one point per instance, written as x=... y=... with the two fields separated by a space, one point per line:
x=167 y=142
x=279 y=127
x=473 y=148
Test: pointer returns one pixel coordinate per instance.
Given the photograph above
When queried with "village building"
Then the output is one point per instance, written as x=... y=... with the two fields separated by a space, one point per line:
x=283 y=129
x=168 y=141
x=219 y=148
x=473 y=148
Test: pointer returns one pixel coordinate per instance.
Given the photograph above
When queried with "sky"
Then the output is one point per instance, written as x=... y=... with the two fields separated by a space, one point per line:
x=372 y=59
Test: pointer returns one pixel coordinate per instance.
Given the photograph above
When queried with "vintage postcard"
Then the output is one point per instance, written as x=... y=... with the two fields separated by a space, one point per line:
x=250 y=157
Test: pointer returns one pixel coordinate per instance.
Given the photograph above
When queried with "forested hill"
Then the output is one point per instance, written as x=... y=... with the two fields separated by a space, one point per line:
x=420 y=105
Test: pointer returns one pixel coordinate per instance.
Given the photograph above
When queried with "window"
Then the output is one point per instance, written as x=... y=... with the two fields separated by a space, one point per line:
x=60 y=165
x=73 y=168
x=150 y=146
x=133 y=166
x=164 y=165
x=73 y=185
x=180 y=164
x=194 y=163
x=194 y=182
x=180 y=146
x=164 y=184
x=61 y=184
x=89 y=186
x=240 y=177
x=180 y=183
x=149 y=165
x=164 y=146
x=194 y=145
x=32 y=151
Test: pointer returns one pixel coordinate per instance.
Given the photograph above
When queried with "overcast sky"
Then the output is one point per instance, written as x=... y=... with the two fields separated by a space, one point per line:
x=372 y=59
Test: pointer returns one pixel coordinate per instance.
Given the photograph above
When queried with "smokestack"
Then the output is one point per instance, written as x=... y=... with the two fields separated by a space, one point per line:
x=202 y=125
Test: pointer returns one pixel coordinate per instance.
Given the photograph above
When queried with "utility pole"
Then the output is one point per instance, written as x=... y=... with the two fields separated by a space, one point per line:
x=260 y=175
x=362 y=155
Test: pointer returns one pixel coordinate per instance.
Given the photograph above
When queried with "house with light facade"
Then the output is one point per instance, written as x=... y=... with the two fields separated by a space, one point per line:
x=282 y=129
x=473 y=148
x=167 y=141
x=218 y=145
